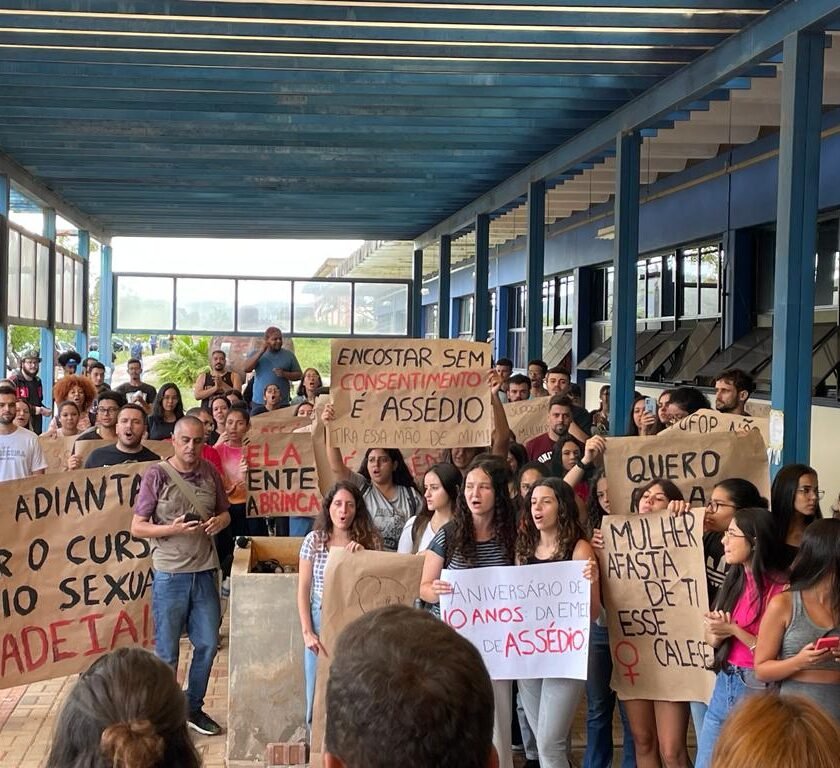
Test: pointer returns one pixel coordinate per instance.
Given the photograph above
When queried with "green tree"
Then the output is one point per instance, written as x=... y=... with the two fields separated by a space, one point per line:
x=187 y=359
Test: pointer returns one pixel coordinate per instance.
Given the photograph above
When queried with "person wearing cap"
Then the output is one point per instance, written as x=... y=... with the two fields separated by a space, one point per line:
x=28 y=386
x=70 y=361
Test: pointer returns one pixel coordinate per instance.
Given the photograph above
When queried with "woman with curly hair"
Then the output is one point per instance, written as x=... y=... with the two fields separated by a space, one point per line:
x=343 y=522
x=552 y=533
x=80 y=390
x=482 y=534
x=126 y=711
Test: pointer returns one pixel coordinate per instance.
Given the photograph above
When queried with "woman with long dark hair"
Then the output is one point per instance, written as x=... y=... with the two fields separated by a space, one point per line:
x=798 y=639
x=343 y=522
x=126 y=711
x=795 y=501
x=167 y=408
x=550 y=533
x=441 y=484
x=642 y=421
x=752 y=580
x=482 y=534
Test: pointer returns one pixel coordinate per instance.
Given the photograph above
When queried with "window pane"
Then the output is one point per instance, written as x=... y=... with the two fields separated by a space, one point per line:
x=58 y=299
x=492 y=304
x=570 y=301
x=709 y=281
x=690 y=276
x=144 y=303
x=13 y=304
x=69 y=285
x=263 y=303
x=608 y=310
x=79 y=308
x=204 y=304
x=465 y=317
x=322 y=307
x=380 y=309
x=27 y=278
x=430 y=321
x=654 y=287
x=641 y=278
x=42 y=283
x=548 y=303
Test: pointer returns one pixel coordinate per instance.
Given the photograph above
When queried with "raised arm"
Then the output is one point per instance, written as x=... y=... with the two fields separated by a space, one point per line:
x=339 y=468
x=593 y=449
x=252 y=361
x=501 y=431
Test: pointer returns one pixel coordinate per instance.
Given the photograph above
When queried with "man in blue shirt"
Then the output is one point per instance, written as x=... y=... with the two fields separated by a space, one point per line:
x=273 y=365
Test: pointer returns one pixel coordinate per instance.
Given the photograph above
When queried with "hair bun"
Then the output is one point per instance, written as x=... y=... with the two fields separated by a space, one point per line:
x=135 y=744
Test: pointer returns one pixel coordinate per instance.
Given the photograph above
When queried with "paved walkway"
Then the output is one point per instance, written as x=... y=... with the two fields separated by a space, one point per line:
x=28 y=714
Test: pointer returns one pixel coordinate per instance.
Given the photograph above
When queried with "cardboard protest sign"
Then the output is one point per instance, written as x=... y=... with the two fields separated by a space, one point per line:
x=707 y=420
x=411 y=393
x=653 y=581
x=85 y=448
x=531 y=621
x=74 y=582
x=694 y=462
x=282 y=421
x=57 y=450
x=354 y=584
x=420 y=460
x=282 y=476
x=528 y=418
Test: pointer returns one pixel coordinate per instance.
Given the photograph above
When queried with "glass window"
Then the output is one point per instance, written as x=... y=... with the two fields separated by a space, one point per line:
x=145 y=303
x=689 y=271
x=610 y=280
x=13 y=303
x=79 y=296
x=27 y=278
x=263 y=303
x=322 y=307
x=58 y=299
x=825 y=294
x=69 y=283
x=709 y=280
x=492 y=305
x=380 y=309
x=430 y=321
x=548 y=295
x=42 y=283
x=466 y=314
x=565 y=301
x=204 y=304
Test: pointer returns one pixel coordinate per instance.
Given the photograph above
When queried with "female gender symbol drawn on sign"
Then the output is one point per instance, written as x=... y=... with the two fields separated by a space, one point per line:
x=630 y=660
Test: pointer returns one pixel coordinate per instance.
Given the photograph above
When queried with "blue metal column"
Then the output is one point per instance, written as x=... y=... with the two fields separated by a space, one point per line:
x=535 y=268
x=416 y=328
x=5 y=206
x=623 y=352
x=444 y=298
x=582 y=323
x=481 y=302
x=796 y=233
x=47 y=370
x=106 y=305
x=84 y=252
x=738 y=284
x=502 y=347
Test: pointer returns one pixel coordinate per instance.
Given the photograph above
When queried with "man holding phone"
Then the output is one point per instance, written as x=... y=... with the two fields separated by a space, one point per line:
x=181 y=505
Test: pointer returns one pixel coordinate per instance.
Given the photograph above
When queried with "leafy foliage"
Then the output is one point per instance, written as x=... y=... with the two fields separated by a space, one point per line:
x=187 y=359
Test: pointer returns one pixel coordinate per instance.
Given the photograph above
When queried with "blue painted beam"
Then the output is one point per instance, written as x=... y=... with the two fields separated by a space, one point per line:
x=796 y=231
x=416 y=295
x=396 y=13
x=623 y=346
x=481 y=301
x=535 y=269
x=710 y=71
x=444 y=294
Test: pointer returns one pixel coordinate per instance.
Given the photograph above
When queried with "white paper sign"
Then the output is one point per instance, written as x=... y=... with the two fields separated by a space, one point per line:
x=529 y=621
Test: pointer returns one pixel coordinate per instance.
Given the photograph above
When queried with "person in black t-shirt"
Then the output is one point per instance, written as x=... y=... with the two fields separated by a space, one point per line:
x=131 y=425
x=28 y=387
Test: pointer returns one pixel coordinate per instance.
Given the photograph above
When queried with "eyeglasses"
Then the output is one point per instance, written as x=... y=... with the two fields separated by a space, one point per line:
x=106 y=410
x=714 y=506
x=732 y=535
x=807 y=490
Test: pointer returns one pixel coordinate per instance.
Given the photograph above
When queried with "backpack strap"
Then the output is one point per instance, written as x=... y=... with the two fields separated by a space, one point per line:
x=187 y=491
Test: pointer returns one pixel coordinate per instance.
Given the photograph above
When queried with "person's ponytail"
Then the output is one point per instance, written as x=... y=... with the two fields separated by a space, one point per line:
x=132 y=745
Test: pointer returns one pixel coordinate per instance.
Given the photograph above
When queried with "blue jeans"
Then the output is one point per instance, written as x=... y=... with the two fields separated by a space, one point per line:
x=600 y=705
x=191 y=600
x=300 y=526
x=310 y=659
x=731 y=685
